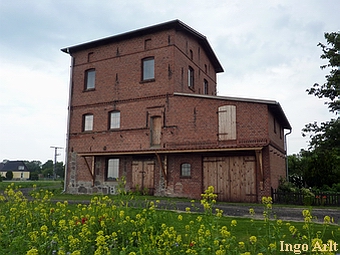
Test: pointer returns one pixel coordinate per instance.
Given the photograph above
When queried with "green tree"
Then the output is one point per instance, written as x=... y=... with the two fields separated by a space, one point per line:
x=324 y=145
x=34 y=166
x=47 y=169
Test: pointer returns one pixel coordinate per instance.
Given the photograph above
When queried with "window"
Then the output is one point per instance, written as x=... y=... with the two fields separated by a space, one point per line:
x=114 y=119
x=191 y=55
x=88 y=122
x=185 y=170
x=21 y=168
x=205 y=87
x=148 y=69
x=227 y=122
x=191 y=77
x=90 y=77
x=112 y=173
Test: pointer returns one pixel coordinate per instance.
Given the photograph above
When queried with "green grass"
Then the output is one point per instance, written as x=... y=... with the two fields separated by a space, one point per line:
x=118 y=223
x=30 y=184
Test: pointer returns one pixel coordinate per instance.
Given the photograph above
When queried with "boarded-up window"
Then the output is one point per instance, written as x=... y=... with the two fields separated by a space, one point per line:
x=227 y=122
x=156 y=127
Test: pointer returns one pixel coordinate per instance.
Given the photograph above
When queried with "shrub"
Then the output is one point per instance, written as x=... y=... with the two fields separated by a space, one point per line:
x=34 y=176
x=9 y=175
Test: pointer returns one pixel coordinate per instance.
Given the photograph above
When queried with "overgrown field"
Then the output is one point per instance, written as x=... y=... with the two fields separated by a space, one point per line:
x=111 y=226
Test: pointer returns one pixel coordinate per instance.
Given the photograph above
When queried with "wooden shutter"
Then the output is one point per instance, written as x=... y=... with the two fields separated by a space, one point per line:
x=227 y=122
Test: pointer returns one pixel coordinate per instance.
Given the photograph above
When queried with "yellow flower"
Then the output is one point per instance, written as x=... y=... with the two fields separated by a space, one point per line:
x=251 y=211
x=326 y=219
x=253 y=239
x=233 y=223
x=32 y=251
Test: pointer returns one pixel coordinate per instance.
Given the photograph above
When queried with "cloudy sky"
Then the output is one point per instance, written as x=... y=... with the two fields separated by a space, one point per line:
x=268 y=49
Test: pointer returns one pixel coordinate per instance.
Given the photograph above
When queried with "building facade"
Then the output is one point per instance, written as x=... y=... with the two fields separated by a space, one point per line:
x=143 y=107
x=17 y=167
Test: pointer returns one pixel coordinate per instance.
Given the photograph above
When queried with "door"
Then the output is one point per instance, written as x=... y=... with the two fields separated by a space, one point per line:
x=156 y=128
x=234 y=178
x=143 y=176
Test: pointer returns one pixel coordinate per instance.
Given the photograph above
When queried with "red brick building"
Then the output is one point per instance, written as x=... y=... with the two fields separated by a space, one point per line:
x=143 y=105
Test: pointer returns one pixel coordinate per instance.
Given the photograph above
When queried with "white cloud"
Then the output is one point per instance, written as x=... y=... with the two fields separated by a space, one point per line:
x=267 y=48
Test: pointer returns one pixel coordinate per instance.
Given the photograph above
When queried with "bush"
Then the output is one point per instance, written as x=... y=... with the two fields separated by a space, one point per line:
x=9 y=175
x=286 y=186
x=34 y=176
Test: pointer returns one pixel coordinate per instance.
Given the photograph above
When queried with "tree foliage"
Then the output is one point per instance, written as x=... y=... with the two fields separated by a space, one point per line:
x=330 y=89
x=46 y=169
x=323 y=158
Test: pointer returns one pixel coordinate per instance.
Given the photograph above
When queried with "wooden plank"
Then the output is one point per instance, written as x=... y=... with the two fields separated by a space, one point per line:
x=156 y=128
x=227 y=122
x=143 y=174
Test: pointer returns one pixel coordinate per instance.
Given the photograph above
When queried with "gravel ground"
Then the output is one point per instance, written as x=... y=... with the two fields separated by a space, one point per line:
x=242 y=210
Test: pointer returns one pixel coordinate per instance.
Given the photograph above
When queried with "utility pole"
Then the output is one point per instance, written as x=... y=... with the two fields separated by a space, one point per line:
x=55 y=160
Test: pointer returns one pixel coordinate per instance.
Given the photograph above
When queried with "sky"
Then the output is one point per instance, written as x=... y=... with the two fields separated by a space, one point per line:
x=268 y=49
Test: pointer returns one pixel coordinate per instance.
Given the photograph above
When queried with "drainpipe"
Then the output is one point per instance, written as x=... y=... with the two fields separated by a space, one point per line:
x=290 y=131
x=68 y=121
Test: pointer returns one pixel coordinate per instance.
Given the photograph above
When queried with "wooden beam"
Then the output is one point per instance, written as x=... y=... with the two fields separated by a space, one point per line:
x=88 y=154
x=163 y=170
x=259 y=166
x=91 y=169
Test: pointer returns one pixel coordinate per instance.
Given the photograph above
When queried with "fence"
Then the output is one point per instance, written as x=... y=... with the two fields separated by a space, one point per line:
x=299 y=198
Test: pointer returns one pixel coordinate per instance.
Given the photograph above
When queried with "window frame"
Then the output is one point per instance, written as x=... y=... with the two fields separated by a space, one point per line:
x=117 y=120
x=205 y=87
x=115 y=169
x=185 y=170
x=87 y=79
x=191 y=77
x=145 y=69
x=86 y=122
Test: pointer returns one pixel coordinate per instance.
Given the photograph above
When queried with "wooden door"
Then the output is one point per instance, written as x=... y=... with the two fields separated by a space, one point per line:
x=233 y=178
x=143 y=176
x=227 y=122
x=156 y=128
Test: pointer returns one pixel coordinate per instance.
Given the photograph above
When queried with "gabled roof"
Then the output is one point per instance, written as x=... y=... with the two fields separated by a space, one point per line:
x=174 y=24
x=15 y=166
x=273 y=106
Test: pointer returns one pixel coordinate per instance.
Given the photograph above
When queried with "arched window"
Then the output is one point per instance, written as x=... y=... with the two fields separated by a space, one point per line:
x=185 y=170
x=191 y=75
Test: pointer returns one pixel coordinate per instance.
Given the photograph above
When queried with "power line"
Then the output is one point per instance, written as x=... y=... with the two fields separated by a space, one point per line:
x=55 y=160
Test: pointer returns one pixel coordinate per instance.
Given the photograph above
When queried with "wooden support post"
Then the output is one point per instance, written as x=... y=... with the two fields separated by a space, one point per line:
x=163 y=170
x=259 y=166
x=91 y=169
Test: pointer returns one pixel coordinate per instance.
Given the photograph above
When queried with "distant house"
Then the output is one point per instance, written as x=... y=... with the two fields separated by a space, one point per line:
x=19 y=169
